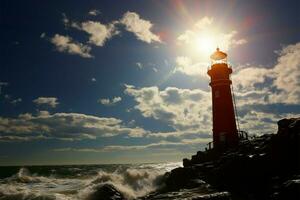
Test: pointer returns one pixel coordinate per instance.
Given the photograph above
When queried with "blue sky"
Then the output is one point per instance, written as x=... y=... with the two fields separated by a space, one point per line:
x=125 y=81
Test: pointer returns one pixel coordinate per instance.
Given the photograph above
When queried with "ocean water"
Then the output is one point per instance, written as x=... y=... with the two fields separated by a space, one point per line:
x=78 y=182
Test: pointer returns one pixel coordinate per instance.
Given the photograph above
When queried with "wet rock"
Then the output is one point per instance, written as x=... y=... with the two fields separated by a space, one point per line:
x=105 y=192
x=290 y=190
x=203 y=192
x=186 y=162
x=181 y=178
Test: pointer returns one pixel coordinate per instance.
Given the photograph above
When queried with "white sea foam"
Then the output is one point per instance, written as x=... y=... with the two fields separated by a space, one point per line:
x=132 y=181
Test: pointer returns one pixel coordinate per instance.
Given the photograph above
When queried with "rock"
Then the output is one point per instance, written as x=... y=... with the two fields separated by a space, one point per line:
x=181 y=178
x=198 y=193
x=290 y=190
x=186 y=162
x=106 y=192
x=214 y=196
x=253 y=170
x=288 y=126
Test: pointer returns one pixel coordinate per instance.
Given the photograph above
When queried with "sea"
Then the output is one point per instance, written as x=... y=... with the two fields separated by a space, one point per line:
x=79 y=182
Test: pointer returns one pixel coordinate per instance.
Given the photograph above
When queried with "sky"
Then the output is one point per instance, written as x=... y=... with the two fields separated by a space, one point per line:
x=93 y=82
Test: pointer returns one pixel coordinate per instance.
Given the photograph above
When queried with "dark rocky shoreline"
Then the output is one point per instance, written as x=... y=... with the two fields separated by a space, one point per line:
x=265 y=167
x=261 y=168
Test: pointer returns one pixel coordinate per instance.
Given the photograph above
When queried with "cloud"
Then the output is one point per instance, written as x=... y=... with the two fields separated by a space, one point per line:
x=260 y=122
x=204 y=22
x=16 y=101
x=13 y=138
x=66 y=44
x=43 y=35
x=108 y=102
x=287 y=73
x=140 y=27
x=158 y=145
x=99 y=33
x=205 y=28
x=183 y=109
x=94 y=12
x=278 y=84
x=63 y=126
x=261 y=91
x=50 y=101
x=185 y=65
x=197 y=43
x=93 y=79
x=248 y=78
x=139 y=65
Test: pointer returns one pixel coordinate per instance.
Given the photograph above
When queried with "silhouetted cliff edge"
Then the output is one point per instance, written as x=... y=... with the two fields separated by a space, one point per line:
x=264 y=167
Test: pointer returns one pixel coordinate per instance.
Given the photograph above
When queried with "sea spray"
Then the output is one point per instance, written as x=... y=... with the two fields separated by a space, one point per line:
x=80 y=182
x=131 y=183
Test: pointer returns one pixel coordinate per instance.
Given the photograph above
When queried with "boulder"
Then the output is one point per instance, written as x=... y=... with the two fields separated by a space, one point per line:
x=290 y=190
x=186 y=162
x=105 y=192
x=181 y=178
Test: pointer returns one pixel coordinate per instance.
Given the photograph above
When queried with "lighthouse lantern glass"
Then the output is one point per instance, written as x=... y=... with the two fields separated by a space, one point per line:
x=222 y=61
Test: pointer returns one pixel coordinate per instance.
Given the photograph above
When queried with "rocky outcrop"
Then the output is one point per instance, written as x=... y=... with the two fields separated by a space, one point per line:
x=264 y=167
x=106 y=192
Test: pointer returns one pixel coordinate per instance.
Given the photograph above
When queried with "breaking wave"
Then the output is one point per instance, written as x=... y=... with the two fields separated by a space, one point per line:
x=82 y=182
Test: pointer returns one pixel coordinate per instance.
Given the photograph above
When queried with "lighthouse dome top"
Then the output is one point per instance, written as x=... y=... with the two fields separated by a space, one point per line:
x=218 y=55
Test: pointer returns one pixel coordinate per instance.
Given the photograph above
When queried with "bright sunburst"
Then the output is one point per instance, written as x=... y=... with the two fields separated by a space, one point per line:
x=205 y=44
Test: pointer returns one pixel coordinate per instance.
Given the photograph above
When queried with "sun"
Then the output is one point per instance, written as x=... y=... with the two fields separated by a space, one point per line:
x=205 y=44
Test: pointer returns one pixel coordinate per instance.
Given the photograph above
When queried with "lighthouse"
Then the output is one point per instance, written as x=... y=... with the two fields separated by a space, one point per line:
x=225 y=133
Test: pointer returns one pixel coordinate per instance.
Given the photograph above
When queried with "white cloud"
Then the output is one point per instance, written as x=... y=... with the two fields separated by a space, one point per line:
x=158 y=145
x=247 y=78
x=140 y=27
x=204 y=22
x=66 y=44
x=287 y=74
x=139 y=65
x=93 y=79
x=50 y=101
x=278 y=84
x=99 y=33
x=185 y=65
x=183 y=109
x=259 y=122
x=197 y=43
x=65 y=19
x=108 y=102
x=205 y=28
x=259 y=90
x=94 y=12
x=63 y=126
x=43 y=35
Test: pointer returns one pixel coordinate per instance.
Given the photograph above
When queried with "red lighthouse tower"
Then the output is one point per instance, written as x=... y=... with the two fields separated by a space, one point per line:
x=225 y=132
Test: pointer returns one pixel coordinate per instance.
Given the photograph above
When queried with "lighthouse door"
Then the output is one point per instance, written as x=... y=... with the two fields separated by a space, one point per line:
x=223 y=137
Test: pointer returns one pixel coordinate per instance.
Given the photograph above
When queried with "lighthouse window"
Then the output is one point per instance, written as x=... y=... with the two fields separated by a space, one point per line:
x=217 y=94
